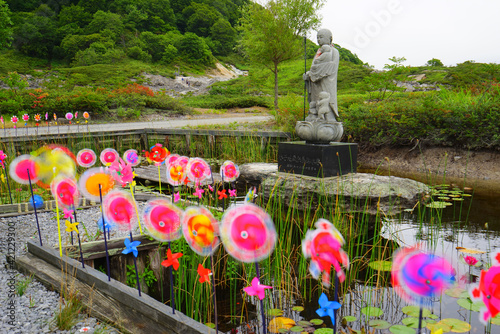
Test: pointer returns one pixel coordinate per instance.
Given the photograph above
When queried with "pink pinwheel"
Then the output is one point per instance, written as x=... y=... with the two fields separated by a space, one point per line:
x=122 y=172
x=119 y=209
x=131 y=157
x=108 y=156
x=232 y=192
x=417 y=274
x=14 y=120
x=162 y=219
x=177 y=197
x=248 y=233
x=69 y=117
x=68 y=214
x=229 y=171
x=324 y=247
x=172 y=260
x=488 y=291
x=3 y=156
x=86 y=158
x=18 y=169
x=1 y=120
x=257 y=289
x=210 y=188
x=26 y=117
x=199 y=192
x=65 y=191
x=198 y=170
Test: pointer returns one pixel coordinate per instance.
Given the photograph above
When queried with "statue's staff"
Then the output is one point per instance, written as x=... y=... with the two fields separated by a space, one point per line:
x=305 y=70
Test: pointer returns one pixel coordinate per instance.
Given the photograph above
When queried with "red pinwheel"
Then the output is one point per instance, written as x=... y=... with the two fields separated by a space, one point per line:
x=222 y=193
x=172 y=259
x=204 y=274
x=19 y=167
x=157 y=154
x=162 y=219
x=119 y=209
x=108 y=156
x=324 y=247
x=198 y=170
x=488 y=291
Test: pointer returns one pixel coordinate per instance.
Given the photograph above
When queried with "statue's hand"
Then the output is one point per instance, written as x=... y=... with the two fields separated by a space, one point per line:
x=306 y=76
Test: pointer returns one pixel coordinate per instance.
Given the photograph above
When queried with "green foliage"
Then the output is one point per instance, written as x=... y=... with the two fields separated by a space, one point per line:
x=434 y=62
x=194 y=49
x=147 y=276
x=22 y=285
x=15 y=82
x=6 y=30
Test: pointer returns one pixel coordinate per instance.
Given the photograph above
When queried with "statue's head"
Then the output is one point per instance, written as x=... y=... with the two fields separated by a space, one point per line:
x=324 y=36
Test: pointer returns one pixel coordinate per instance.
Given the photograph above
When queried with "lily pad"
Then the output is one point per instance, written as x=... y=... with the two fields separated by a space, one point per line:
x=279 y=323
x=274 y=312
x=297 y=329
x=433 y=316
x=438 y=205
x=414 y=311
x=350 y=318
x=454 y=292
x=371 y=311
x=324 y=331
x=381 y=265
x=304 y=323
x=316 y=322
x=412 y=322
x=379 y=324
x=210 y=324
x=400 y=329
x=439 y=325
x=298 y=308
x=467 y=304
x=457 y=326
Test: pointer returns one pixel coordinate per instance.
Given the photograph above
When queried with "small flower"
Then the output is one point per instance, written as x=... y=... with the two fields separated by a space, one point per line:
x=470 y=260
x=232 y=192
x=222 y=194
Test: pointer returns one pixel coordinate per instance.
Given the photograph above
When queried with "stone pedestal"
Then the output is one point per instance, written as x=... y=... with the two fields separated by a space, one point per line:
x=319 y=160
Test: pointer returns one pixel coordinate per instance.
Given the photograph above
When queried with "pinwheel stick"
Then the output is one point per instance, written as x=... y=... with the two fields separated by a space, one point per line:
x=172 y=283
x=213 y=292
x=159 y=177
x=8 y=184
x=420 y=316
x=135 y=265
x=57 y=215
x=135 y=206
x=104 y=232
x=257 y=272
x=336 y=299
x=36 y=215
x=79 y=242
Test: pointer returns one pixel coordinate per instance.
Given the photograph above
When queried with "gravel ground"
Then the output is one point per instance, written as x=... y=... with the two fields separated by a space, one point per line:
x=34 y=311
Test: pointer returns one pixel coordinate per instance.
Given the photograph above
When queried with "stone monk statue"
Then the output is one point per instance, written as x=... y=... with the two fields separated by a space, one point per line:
x=322 y=77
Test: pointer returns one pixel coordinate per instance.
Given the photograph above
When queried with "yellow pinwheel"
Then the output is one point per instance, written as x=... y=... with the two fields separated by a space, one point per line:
x=71 y=227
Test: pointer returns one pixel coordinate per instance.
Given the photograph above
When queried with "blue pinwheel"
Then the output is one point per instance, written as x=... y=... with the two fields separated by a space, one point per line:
x=327 y=307
x=131 y=247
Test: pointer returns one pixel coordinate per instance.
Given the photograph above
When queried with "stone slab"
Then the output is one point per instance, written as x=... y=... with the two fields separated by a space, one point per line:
x=318 y=160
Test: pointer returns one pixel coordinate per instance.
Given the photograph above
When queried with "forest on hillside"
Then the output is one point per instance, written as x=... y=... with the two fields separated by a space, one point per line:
x=87 y=32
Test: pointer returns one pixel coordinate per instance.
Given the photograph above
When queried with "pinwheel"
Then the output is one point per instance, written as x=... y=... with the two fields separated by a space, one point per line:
x=71 y=227
x=53 y=160
x=248 y=233
x=198 y=170
x=131 y=157
x=23 y=169
x=119 y=209
x=488 y=290
x=172 y=260
x=200 y=230
x=122 y=172
x=222 y=193
x=95 y=182
x=131 y=247
x=198 y=192
x=171 y=159
x=68 y=214
x=65 y=191
x=3 y=156
x=324 y=246
x=176 y=172
x=327 y=308
x=162 y=220
x=157 y=154
x=204 y=274
x=257 y=289
x=229 y=171
x=232 y=192
x=69 y=117
x=108 y=156
x=420 y=275
x=26 y=118
x=36 y=201
x=86 y=158
x=86 y=116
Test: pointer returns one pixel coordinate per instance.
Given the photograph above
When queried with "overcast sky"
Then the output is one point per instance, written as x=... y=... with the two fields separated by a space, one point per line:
x=453 y=31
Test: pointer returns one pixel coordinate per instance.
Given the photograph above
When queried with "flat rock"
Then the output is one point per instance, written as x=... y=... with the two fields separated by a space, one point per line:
x=356 y=191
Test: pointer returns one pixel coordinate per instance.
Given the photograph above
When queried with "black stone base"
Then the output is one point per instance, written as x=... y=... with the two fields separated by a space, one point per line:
x=319 y=160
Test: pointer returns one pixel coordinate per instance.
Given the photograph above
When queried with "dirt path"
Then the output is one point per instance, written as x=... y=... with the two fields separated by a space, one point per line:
x=478 y=169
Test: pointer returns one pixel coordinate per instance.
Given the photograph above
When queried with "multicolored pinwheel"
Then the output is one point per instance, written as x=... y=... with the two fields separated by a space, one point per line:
x=65 y=191
x=90 y=181
x=157 y=154
x=417 y=274
x=162 y=219
x=324 y=246
x=18 y=169
x=488 y=290
x=248 y=233
x=119 y=209
x=53 y=160
x=200 y=230
x=229 y=171
x=122 y=172
x=108 y=156
x=198 y=170
x=131 y=157
x=176 y=169
x=86 y=158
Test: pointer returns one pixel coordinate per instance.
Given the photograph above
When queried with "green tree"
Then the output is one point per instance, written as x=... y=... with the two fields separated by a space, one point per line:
x=224 y=35
x=272 y=34
x=194 y=48
x=434 y=62
x=6 y=31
